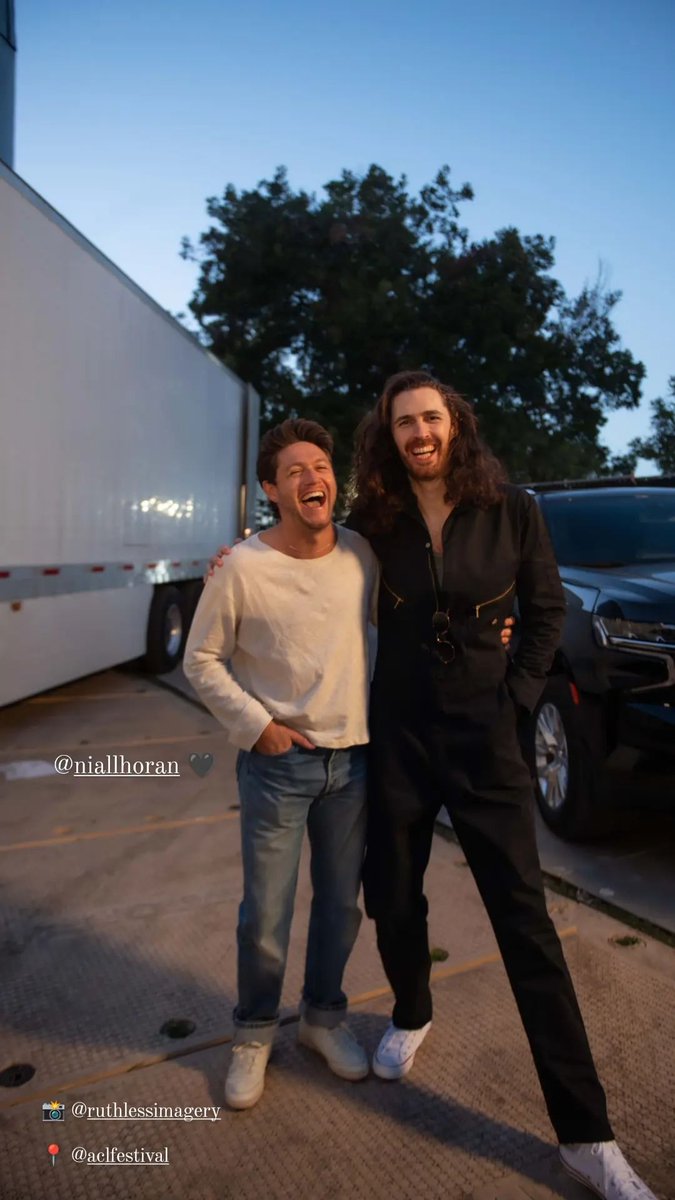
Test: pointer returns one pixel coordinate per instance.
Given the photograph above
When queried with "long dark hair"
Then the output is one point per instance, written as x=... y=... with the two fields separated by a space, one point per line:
x=379 y=485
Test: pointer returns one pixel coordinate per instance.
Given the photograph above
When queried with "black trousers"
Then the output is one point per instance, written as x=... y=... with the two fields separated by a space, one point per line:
x=470 y=761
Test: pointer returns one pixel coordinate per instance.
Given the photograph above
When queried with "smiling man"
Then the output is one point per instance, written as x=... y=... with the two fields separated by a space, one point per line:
x=456 y=544
x=278 y=650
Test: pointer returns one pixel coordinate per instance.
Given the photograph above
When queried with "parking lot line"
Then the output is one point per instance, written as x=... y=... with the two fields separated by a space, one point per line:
x=154 y=1060
x=471 y=964
x=126 y=830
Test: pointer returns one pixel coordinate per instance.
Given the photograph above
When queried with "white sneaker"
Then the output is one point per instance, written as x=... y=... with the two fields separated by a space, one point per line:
x=245 y=1081
x=396 y=1052
x=338 y=1046
x=603 y=1168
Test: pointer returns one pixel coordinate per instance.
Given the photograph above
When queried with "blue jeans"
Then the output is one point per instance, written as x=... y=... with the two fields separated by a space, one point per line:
x=323 y=791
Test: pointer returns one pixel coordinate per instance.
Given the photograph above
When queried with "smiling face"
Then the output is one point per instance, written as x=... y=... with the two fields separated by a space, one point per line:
x=304 y=490
x=423 y=431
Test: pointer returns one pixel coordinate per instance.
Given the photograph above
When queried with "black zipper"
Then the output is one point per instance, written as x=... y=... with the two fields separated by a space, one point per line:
x=435 y=582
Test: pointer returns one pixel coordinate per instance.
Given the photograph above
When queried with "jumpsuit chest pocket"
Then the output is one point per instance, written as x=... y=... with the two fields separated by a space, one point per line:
x=480 y=623
x=485 y=608
x=394 y=600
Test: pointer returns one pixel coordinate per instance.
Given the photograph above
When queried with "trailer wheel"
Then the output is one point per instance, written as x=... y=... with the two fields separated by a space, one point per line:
x=167 y=628
x=191 y=592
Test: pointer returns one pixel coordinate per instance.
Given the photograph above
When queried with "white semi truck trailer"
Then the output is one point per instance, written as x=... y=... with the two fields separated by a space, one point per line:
x=127 y=454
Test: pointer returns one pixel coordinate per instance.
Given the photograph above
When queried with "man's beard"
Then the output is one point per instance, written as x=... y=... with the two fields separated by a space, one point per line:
x=428 y=472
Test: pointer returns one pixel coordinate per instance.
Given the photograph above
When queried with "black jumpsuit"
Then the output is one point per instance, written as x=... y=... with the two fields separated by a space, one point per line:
x=443 y=727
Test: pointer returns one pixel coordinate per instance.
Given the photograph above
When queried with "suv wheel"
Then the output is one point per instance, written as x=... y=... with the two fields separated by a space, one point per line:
x=566 y=764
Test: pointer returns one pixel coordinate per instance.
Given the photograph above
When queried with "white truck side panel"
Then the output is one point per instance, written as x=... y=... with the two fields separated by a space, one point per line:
x=121 y=442
x=106 y=404
x=58 y=638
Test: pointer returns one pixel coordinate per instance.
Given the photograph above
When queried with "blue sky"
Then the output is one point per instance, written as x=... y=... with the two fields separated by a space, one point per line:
x=560 y=114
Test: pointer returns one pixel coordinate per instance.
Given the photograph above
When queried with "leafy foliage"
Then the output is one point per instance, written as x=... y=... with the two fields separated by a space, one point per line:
x=660 y=447
x=316 y=300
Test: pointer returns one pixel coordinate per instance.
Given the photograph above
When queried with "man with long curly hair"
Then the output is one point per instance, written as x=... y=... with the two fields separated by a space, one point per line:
x=457 y=545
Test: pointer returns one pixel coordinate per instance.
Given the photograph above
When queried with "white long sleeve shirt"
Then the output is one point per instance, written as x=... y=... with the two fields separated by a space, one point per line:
x=276 y=637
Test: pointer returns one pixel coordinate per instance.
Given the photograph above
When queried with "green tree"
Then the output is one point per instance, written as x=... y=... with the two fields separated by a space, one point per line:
x=659 y=447
x=316 y=300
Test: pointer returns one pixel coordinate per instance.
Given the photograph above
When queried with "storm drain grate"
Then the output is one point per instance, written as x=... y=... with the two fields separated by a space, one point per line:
x=177 y=1027
x=16 y=1075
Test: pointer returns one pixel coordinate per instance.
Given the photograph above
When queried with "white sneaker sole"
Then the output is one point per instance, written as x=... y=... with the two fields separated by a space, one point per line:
x=581 y=1178
x=384 y=1071
x=353 y=1074
x=241 y=1102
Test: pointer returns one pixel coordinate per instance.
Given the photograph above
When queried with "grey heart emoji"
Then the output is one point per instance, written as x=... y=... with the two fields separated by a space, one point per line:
x=201 y=763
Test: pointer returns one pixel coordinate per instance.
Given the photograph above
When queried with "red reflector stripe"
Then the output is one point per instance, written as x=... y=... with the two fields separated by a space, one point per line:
x=5 y=574
x=175 y=564
x=150 y=565
x=127 y=566
x=574 y=692
x=98 y=568
x=51 y=571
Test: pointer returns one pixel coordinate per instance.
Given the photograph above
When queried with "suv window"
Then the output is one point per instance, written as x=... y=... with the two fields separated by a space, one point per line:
x=611 y=528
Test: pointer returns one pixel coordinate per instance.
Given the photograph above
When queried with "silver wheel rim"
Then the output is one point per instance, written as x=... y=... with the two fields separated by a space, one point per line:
x=173 y=630
x=551 y=757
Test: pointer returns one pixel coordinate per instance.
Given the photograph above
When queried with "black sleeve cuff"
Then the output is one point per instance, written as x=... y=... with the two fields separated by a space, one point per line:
x=525 y=690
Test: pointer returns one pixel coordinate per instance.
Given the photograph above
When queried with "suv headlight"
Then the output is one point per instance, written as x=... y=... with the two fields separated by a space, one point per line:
x=633 y=635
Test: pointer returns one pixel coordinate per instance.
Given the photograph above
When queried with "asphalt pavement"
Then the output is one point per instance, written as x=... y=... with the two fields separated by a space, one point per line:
x=118 y=900
x=631 y=867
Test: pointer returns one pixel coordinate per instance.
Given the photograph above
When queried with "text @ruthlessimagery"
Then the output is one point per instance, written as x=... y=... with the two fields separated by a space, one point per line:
x=114 y=1111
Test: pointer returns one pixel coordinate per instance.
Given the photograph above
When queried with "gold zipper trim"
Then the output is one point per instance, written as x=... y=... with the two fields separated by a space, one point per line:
x=398 y=599
x=477 y=607
x=494 y=599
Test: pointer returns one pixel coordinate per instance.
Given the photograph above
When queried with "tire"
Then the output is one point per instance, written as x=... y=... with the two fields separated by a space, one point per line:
x=565 y=752
x=167 y=630
x=191 y=593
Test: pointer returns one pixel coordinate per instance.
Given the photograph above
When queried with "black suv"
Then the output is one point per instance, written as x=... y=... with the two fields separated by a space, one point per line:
x=610 y=697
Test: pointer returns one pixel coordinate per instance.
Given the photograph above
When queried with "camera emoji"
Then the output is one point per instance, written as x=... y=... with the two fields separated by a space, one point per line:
x=53 y=1110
